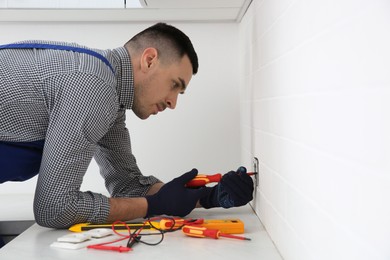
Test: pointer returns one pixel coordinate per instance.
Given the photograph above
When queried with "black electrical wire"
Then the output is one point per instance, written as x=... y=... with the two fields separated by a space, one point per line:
x=136 y=236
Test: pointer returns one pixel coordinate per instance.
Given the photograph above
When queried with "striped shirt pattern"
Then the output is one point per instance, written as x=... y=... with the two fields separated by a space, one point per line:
x=75 y=102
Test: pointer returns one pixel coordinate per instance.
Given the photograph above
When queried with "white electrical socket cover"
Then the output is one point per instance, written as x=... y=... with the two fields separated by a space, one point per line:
x=74 y=238
x=84 y=239
x=73 y=246
x=99 y=232
x=256 y=170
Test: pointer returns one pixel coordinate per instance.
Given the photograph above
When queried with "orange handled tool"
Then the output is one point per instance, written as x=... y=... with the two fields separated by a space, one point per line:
x=196 y=231
x=227 y=226
x=177 y=223
x=202 y=180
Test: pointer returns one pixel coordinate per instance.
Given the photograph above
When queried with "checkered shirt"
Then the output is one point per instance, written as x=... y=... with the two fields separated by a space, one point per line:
x=75 y=102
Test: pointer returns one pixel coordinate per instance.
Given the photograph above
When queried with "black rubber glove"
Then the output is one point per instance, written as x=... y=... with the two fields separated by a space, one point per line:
x=234 y=190
x=174 y=198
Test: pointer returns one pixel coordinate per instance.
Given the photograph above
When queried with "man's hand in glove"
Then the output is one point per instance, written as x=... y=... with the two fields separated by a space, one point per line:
x=234 y=190
x=174 y=198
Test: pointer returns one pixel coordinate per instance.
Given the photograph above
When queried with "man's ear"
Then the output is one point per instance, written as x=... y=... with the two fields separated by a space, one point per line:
x=149 y=59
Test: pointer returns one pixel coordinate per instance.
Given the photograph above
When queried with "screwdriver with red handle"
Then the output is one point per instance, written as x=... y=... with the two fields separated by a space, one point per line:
x=197 y=231
x=203 y=179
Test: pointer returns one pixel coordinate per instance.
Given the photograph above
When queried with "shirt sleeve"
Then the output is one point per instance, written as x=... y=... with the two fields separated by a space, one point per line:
x=79 y=117
x=118 y=165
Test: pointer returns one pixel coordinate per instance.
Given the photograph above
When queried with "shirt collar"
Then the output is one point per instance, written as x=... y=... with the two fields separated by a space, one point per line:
x=124 y=77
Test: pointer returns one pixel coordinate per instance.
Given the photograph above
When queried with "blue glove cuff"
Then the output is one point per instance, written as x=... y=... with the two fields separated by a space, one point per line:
x=224 y=199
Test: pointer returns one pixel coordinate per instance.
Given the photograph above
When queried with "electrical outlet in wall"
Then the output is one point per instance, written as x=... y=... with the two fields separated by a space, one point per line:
x=256 y=196
x=256 y=170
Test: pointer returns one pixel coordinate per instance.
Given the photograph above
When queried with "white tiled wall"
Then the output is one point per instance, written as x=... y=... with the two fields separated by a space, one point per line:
x=315 y=110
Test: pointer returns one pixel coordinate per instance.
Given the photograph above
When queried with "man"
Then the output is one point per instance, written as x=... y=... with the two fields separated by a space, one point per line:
x=62 y=104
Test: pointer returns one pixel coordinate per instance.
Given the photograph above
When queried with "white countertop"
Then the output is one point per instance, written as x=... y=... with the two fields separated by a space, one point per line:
x=34 y=243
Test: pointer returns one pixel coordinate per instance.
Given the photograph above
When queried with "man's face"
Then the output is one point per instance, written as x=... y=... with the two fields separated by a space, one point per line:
x=160 y=85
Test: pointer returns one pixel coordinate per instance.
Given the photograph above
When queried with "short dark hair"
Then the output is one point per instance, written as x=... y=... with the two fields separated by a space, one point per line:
x=169 y=41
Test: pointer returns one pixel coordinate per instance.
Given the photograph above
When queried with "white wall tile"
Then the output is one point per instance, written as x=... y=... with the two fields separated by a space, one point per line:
x=320 y=122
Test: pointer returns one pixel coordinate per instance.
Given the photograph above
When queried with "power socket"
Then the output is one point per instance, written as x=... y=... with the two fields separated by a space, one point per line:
x=256 y=170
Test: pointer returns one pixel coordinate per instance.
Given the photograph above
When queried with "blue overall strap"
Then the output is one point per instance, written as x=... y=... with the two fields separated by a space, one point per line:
x=20 y=161
x=57 y=47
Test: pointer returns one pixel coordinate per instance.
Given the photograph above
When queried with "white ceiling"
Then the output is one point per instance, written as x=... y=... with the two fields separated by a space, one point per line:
x=120 y=10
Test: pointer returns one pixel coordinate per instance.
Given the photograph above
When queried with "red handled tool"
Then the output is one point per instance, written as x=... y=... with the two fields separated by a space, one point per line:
x=113 y=248
x=196 y=231
x=203 y=179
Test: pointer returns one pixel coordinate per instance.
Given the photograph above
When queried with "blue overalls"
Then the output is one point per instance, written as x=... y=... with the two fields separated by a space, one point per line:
x=20 y=161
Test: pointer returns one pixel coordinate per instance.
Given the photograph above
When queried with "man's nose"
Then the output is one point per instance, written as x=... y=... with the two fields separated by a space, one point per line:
x=172 y=101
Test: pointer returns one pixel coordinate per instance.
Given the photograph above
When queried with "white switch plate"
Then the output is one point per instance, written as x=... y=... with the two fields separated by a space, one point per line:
x=256 y=170
x=256 y=195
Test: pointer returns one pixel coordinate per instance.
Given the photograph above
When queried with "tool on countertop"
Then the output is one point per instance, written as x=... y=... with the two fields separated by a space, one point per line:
x=132 y=225
x=197 y=231
x=177 y=223
x=119 y=249
x=203 y=179
x=85 y=233
x=228 y=226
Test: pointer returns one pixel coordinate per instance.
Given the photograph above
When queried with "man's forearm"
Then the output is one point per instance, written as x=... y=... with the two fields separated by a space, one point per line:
x=130 y=208
x=155 y=188
x=125 y=209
